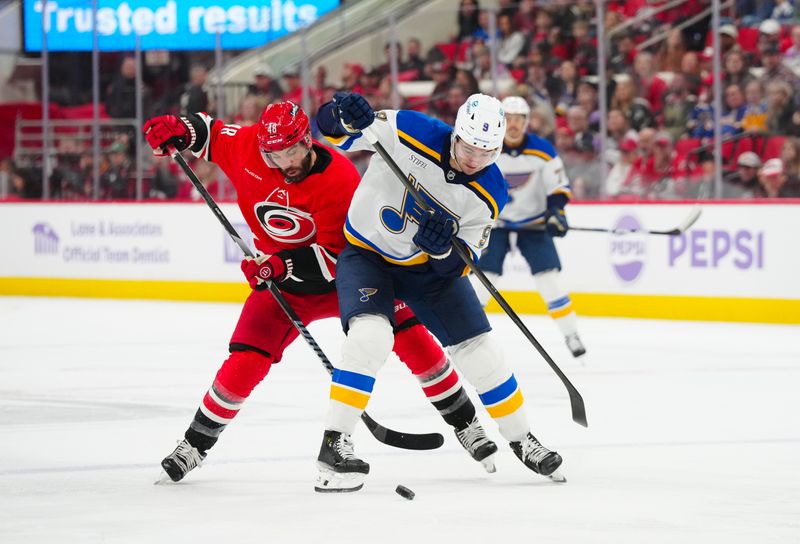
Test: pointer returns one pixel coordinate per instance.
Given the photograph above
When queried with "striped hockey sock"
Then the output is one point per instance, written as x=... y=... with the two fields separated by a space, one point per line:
x=442 y=386
x=218 y=408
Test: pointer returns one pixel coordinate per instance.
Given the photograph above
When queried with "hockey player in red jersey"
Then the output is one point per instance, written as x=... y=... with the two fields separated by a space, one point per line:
x=294 y=194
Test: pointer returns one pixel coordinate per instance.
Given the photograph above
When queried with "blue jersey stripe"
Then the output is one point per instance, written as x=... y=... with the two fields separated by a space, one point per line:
x=499 y=393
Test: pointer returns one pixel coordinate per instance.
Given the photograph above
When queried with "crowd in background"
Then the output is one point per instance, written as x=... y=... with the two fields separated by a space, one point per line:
x=659 y=141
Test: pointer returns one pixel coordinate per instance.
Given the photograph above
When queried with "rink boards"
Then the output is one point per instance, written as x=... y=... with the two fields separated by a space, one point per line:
x=739 y=262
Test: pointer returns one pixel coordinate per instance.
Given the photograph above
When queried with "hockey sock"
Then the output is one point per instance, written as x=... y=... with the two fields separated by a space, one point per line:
x=368 y=344
x=559 y=305
x=240 y=373
x=504 y=403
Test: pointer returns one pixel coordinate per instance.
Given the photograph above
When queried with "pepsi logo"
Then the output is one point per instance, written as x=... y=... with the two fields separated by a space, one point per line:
x=628 y=252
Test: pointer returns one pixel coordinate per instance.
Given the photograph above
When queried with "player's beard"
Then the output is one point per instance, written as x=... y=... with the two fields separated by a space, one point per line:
x=299 y=173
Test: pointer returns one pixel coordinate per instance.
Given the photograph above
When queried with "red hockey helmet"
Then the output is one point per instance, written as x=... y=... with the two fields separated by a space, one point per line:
x=281 y=126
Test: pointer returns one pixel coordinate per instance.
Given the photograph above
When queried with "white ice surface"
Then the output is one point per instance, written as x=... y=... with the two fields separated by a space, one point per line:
x=694 y=436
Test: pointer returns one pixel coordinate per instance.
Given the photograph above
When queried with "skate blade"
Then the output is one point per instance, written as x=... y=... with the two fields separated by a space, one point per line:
x=488 y=464
x=163 y=478
x=557 y=477
x=329 y=481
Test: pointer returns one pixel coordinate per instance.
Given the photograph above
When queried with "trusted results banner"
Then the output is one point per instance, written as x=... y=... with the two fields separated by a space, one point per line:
x=165 y=24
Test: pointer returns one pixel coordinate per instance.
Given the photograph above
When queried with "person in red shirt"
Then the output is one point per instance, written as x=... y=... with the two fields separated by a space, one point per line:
x=294 y=194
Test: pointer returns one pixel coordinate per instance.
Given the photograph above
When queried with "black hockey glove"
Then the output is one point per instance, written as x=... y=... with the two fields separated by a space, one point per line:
x=555 y=221
x=435 y=233
x=355 y=113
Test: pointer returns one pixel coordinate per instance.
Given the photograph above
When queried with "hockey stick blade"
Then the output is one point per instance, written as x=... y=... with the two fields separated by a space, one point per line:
x=686 y=224
x=389 y=437
x=406 y=441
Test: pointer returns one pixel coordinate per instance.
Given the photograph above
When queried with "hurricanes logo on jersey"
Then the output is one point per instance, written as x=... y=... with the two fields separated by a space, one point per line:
x=285 y=224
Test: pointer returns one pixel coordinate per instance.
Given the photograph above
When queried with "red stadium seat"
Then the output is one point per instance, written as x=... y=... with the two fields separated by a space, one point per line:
x=748 y=39
x=773 y=147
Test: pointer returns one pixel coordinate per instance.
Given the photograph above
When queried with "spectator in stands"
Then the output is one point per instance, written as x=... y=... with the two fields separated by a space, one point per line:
x=636 y=109
x=728 y=39
x=456 y=96
x=568 y=79
x=783 y=12
x=647 y=143
x=121 y=94
x=386 y=68
x=791 y=57
x=656 y=177
x=265 y=84
x=467 y=19
x=774 y=70
x=587 y=99
x=617 y=181
x=116 y=181
x=769 y=33
x=481 y=33
x=578 y=123
x=194 y=97
x=790 y=155
x=292 y=84
x=781 y=117
x=483 y=64
x=678 y=105
x=618 y=127
x=512 y=41
x=651 y=87
x=701 y=121
x=542 y=121
x=466 y=79
x=585 y=48
x=671 y=53
x=743 y=183
x=691 y=70
x=564 y=143
x=734 y=110
x=540 y=84
x=442 y=75
x=351 y=74
x=736 y=69
x=414 y=61
x=774 y=181
x=525 y=17
x=622 y=53
x=755 y=108
x=250 y=109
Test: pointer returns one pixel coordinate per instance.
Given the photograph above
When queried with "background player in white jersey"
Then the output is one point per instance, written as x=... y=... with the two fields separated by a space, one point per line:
x=397 y=250
x=538 y=192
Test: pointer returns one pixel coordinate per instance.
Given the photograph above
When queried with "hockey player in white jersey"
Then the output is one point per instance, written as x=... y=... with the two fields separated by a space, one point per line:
x=397 y=250
x=538 y=192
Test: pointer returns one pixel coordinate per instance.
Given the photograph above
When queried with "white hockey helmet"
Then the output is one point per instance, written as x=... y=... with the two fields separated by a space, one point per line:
x=516 y=105
x=481 y=122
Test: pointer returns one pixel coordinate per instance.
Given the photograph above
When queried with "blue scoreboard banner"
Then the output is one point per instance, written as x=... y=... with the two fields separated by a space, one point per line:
x=166 y=24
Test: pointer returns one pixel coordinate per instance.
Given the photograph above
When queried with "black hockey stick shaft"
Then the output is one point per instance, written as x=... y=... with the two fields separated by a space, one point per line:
x=575 y=398
x=691 y=219
x=409 y=441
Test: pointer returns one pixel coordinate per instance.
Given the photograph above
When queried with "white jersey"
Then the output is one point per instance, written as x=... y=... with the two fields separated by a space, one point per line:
x=533 y=171
x=383 y=217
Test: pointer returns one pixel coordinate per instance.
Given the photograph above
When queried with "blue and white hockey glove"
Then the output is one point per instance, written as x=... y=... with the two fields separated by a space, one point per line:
x=355 y=113
x=435 y=233
x=555 y=221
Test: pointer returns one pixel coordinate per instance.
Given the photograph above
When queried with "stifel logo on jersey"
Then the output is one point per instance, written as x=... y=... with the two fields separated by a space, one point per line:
x=284 y=223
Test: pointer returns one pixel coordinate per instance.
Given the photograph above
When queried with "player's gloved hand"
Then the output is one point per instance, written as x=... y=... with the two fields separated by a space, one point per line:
x=258 y=270
x=355 y=113
x=435 y=233
x=167 y=130
x=555 y=221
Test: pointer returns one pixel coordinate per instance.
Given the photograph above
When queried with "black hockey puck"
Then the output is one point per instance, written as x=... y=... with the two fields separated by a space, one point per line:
x=405 y=492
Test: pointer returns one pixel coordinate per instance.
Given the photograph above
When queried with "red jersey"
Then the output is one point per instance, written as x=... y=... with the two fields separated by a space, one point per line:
x=302 y=221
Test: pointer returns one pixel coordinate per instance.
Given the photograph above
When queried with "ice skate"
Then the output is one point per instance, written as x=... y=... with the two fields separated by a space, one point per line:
x=473 y=438
x=575 y=345
x=538 y=458
x=340 y=471
x=177 y=464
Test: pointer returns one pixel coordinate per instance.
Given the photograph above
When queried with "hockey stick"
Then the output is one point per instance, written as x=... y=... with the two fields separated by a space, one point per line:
x=576 y=401
x=390 y=437
x=686 y=224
